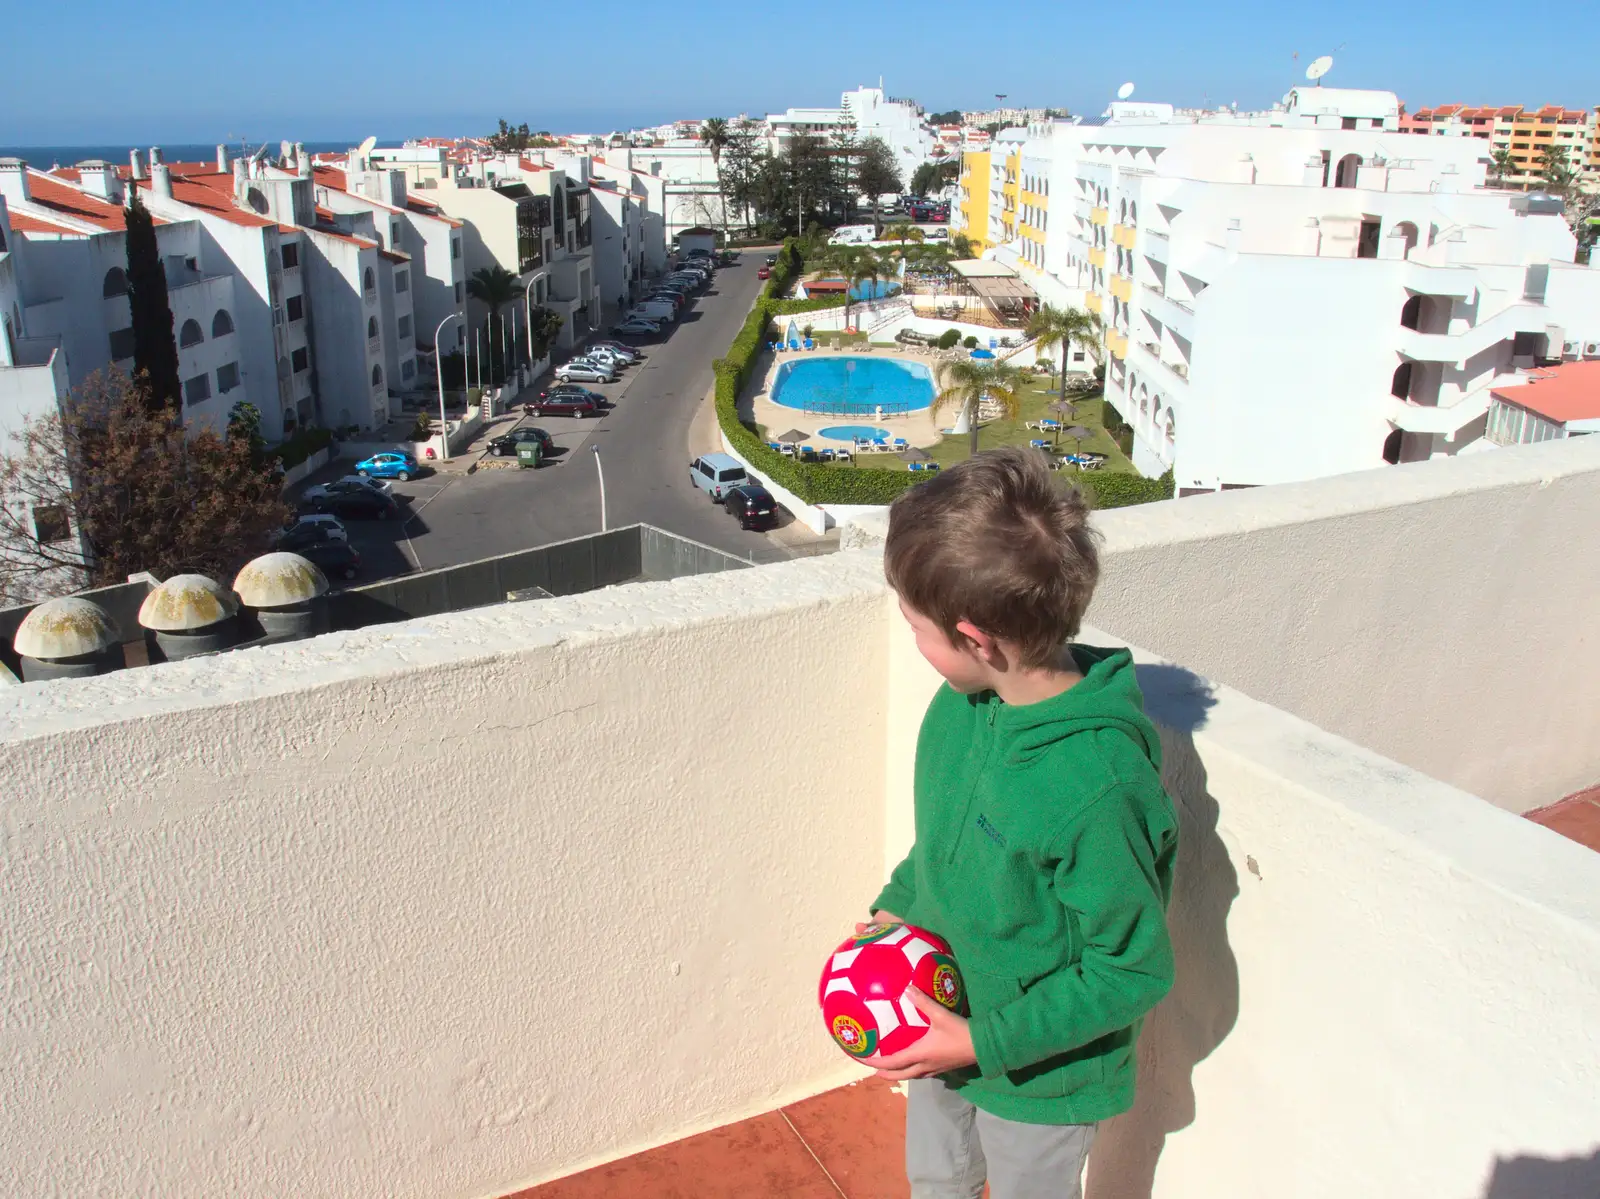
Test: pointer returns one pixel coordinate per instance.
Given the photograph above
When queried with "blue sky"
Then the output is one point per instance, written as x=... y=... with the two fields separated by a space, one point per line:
x=104 y=71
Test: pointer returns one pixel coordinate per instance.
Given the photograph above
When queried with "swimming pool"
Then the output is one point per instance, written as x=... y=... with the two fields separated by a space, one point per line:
x=852 y=433
x=848 y=386
x=874 y=289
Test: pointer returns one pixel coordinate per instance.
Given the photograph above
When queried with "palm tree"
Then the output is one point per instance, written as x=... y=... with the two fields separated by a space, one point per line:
x=1064 y=327
x=965 y=384
x=494 y=287
x=855 y=265
x=714 y=136
x=1556 y=175
x=1501 y=164
x=903 y=232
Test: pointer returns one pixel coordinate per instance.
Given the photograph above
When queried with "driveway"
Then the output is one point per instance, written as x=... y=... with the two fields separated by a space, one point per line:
x=643 y=444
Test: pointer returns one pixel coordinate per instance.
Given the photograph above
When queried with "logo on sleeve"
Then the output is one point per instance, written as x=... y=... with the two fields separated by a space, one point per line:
x=989 y=830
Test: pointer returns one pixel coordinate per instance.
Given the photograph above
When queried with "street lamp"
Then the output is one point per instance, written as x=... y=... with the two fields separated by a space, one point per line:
x=602 y=474
x=438 y=369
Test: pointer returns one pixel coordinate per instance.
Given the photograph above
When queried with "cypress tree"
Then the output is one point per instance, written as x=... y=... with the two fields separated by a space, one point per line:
x=155 y=352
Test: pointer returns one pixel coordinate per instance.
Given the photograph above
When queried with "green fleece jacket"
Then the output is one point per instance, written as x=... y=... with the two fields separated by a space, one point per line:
x=1044 y=855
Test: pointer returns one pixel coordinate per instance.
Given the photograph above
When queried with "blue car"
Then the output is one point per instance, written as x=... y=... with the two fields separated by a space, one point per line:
x=389 y=465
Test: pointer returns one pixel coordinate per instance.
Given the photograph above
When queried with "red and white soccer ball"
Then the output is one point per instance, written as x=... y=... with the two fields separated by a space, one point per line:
x=864 y=981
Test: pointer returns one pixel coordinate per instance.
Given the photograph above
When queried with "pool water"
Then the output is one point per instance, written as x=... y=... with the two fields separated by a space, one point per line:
x=852 y=433
x=873 y=289
x=846 y=386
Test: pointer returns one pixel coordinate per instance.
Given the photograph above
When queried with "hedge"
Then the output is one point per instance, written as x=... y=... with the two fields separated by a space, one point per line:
x=814 y=304
x=1120 y=491
x=301 y=446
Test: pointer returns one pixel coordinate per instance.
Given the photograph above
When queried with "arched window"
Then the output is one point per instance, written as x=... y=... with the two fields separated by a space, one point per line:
x=1133 y=213
x=1406 y=233
x=377 y=376
x=222 y=323
x=1411 y=313
x=1122 y=213
x=1400 y=385
x=369 y=281
x=116 y=283
x=1172 y=429
x=190 y=334
x=1345 y=174
x=372 y=326
x=1391 y=447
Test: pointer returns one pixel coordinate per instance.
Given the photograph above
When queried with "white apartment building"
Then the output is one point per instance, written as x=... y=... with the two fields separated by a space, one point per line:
x=689 y=195
x=1293 y=294
x=900 y=123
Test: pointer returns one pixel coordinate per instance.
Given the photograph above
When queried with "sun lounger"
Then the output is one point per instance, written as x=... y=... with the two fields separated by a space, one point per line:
x=794 y=344
x=900 y=443
x=810 y=345
x=1038 y=443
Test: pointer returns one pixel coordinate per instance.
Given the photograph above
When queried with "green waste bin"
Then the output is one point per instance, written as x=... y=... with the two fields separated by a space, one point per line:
x=527 y=454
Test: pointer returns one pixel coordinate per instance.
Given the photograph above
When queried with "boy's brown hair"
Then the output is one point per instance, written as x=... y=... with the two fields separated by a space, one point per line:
x=994 y=541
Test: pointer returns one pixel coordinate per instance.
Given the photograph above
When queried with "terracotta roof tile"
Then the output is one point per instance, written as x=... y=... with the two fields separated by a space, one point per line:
x=330 y=177
x=21 y=222
x=1576 y=817
x=213 y=193
x=395 y=255
x=1570 y=391
x=46 y=191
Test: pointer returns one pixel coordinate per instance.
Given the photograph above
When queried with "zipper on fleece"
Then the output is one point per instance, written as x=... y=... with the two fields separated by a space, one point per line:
x=988 y=756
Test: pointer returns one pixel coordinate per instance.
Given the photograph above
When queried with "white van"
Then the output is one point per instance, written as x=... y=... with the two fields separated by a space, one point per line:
x=852 y=235
x=655 y=310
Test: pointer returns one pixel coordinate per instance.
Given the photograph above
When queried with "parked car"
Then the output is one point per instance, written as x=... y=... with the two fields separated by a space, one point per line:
x=310 y=529
x=772 y=260
x=716 y=473
x=333 y=558
x=575 y=389
x=391 y=464
x=563 y=404
x=356 y=505
x=660 y=311
x=635 y=327
x=764 y=273
x=632 y=353
x=585 y=372
x=507 y=443
x=607 y=355
x=753 y=506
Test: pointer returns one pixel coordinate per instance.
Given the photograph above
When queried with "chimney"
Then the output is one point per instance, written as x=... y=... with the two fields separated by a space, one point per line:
x=1313 y=245
x=155 y=156
x=99 y=179
x=136 y=161
x=241 y=179
x=161 y=179
x=14 y=180
x=223 y=167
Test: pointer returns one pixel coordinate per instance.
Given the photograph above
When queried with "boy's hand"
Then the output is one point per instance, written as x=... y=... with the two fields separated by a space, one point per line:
x=880 y=917
x=947 y=1045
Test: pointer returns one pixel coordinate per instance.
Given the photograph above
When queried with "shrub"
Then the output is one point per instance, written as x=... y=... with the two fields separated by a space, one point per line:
x=423 y=428
x=947 y=339
x=1120 y=491
x=971 y=343
x=302 y=445
x=814 y=304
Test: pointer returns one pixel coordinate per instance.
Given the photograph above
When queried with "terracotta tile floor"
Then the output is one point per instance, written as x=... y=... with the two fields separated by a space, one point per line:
x=1577 y=816
x=848 y=1142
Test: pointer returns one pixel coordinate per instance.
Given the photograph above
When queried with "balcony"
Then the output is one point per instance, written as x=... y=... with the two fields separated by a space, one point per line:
x=1448 y=419
x=1093 y=302
x=1099 y=216
x=1117 y=343
x=468 y=903
x=1097 y=257
x=1456 y=348
x=1123 y=235
x=1121 y=287
x=1145 y=357
x=1164 y=308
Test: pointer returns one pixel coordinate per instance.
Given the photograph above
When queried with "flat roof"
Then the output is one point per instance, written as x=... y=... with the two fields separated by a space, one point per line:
x=982 y=268
x=1569 y=392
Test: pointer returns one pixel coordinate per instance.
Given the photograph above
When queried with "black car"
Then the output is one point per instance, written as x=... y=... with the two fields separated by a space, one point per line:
x=563 y=403
x=349 y=505
x=753 y=507
x=333 y=558
x=507 y=443
x=305 y=533
x=772 y=260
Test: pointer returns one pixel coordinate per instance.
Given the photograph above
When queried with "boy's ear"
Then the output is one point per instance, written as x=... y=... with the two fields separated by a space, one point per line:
x=980 y=642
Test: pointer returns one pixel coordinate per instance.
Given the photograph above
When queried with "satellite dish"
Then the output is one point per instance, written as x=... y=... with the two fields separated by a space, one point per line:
x=1320 y=67
x=366 y=146
x=1125 y=91
x=259 y=154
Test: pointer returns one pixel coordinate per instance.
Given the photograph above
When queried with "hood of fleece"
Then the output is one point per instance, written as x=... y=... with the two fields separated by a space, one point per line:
x=1107 y=698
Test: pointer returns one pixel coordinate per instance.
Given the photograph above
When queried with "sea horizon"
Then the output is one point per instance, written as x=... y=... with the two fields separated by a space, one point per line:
x=43 y=157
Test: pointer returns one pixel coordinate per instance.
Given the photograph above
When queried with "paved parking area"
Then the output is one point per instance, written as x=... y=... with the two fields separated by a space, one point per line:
x=644 y=450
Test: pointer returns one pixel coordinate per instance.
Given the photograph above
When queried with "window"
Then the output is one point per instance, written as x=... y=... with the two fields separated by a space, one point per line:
x=291 y=254
x=394 y=235
x=402 y=280
x=51 y=523
x=227 y=377
x=369 y=281
x=197 y=389
x=222 y=323
x=372 y=327
x=301 y=360
x=296 y=307
x=377 y=376
x=455 y=247
x=190 y=334
x=121 y=344
x=458 y=292
x=403 y=325
x=116 y=282
x=408 y=368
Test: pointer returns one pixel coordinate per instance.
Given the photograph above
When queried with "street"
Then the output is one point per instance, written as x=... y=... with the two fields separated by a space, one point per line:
x=643 y=445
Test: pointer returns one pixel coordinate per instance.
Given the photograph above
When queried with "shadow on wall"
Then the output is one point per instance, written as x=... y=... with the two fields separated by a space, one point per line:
x=1204 y=1003
x=1545 y=1178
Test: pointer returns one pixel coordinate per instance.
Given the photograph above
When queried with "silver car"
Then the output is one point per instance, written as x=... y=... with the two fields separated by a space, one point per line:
x=579 y=371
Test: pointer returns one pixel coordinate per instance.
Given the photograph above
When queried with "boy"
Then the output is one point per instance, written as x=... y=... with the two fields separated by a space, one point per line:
x=1044 y=841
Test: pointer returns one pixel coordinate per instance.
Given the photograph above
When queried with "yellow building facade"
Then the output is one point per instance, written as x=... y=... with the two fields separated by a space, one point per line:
x=973 y=202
